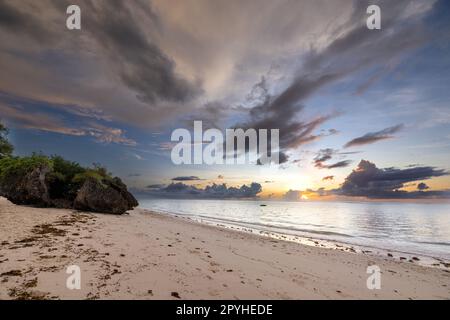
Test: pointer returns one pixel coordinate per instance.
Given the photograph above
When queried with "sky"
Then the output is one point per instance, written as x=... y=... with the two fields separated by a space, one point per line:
x=363 y=114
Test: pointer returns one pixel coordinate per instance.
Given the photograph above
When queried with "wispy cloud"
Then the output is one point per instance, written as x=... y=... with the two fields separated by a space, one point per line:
x=373 y=137
x=55 y=124
x=325 y=155
x=106 y=134
x=186 y=178
x=38 y=121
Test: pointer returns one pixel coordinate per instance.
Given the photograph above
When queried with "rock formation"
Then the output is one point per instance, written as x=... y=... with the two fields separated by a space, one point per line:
x=36 y=188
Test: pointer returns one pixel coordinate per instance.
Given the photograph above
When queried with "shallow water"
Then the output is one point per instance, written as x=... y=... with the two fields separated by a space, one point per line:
x=416 y=228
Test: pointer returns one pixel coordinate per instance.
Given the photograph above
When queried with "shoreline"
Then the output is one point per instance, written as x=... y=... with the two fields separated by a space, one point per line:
x=154 y=256
x=315 y=241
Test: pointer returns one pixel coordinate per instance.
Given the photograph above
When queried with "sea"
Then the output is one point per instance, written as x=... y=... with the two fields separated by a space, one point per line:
x=396 y=229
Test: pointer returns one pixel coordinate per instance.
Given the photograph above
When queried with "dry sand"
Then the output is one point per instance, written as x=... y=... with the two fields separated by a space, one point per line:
x=152 y=256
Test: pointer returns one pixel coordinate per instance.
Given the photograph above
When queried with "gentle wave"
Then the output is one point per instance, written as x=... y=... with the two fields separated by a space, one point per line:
x=279 y=228
x=435 y=243
x=422 y=229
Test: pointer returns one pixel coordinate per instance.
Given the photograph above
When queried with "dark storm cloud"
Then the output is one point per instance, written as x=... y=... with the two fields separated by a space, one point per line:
x=325 y=155
x=357 y=49
x=374 y=136
x=361 y=47
x=20 y=22
x=186 y=178
x=128 y=49
x=214 y=191
x=114 y=27
x=140 y=63
x=369 y=181
x=281 y=113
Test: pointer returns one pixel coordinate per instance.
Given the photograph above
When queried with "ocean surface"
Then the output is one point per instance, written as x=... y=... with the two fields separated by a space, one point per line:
x=415 y=228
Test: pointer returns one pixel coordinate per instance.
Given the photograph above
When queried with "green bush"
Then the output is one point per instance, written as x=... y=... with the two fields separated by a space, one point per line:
x=65 y=177
x=19 y=166
x=99 y=174
x=68 y=169
x=61 y=178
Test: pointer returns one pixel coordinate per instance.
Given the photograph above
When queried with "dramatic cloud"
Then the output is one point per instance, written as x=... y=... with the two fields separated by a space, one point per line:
x=325 y=155
x=281 y=113
x=139 y=62
x=20 y=22
x=214 y=191
x=328 y=178
x=348 y=50
x=369 y=181
x=113 y=64
x=186 y=178
x=375 y=136
x=143 y=62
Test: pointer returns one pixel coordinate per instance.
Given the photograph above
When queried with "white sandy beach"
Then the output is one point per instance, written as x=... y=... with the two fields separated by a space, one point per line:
x=152 y=256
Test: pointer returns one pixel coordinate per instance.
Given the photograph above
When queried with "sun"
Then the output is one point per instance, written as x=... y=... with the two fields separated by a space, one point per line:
x=305 y=197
